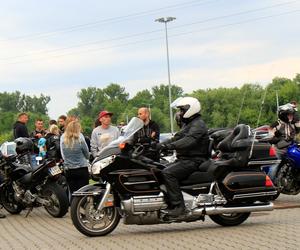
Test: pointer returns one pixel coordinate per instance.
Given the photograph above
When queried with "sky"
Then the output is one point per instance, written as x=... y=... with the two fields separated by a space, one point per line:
x=61 y=46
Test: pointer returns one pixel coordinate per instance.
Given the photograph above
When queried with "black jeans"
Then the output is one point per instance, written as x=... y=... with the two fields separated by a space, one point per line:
x=77 y=178
x=173 y=174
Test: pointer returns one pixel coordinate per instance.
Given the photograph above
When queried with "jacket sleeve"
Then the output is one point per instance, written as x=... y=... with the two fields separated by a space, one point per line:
x=94 y=146
x=190 y=139
x=21 y=131
x=157 y=132
x=61 y=147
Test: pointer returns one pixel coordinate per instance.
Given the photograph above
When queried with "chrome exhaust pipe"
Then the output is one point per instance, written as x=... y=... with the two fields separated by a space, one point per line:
x=231 y=210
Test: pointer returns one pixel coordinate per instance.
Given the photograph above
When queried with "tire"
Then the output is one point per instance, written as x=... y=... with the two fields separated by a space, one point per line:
x=62 y=181
x=229 y=220
x=275 y=197
x=7 y=197
x=285 y=181
x=85 y=223
x=58 y=198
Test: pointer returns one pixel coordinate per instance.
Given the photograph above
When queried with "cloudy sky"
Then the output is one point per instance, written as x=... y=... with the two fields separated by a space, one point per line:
x=61 y=46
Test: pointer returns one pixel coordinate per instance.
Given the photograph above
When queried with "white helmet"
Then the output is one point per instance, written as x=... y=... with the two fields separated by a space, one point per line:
x=190 y=105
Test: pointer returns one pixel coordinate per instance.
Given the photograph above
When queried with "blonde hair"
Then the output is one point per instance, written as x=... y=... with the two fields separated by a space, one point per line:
x=71 y=118
x=72 y=133
x=53 y=129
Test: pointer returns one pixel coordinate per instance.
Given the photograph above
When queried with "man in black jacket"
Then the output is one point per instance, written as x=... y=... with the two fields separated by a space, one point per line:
x=20 y=129
x=149 y=133
x=191 y=145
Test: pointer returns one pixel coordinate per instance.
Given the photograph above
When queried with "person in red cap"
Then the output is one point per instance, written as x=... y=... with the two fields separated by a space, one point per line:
x=104 y=133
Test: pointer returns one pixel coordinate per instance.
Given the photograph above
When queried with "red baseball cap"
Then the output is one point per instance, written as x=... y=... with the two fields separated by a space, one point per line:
x=104 y=113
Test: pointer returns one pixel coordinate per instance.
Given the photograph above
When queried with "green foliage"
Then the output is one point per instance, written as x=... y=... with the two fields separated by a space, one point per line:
x=13 y=103
x=221 y=107
x=8 y=136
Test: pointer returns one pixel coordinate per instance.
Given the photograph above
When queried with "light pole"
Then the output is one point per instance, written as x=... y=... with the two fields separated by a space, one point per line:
x=165 y=20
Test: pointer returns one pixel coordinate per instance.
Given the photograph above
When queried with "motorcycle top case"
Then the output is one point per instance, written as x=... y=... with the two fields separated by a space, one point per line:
x=247 y=184
x=261 y=151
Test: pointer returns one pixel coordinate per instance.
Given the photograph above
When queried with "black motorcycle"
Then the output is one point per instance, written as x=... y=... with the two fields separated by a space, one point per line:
x=24 y=187
x=131 y=186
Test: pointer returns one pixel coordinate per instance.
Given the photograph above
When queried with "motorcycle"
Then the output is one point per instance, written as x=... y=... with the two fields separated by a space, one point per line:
x=286 y=174
x=24 y=187
x=132 y=187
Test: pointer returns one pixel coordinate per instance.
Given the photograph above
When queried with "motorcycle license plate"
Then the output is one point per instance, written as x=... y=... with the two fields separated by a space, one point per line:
x=55 y=170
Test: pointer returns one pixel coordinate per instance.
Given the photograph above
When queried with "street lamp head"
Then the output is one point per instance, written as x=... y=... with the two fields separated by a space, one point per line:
x=169 y=19
x=165 y=19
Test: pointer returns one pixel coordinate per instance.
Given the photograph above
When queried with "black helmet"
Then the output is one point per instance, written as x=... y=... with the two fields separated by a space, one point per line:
x=284 y=111
x=23 y=145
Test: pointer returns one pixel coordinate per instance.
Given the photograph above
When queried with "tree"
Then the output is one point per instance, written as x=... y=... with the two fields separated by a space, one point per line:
x=116 y=92
x=142 y=98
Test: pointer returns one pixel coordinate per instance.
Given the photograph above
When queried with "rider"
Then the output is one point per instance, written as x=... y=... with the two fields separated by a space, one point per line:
x=191 y=145
x=285 y=128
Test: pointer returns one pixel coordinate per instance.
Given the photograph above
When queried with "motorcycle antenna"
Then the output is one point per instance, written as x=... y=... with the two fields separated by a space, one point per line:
x=258 y=120
x=277 y=99
x=242 y=105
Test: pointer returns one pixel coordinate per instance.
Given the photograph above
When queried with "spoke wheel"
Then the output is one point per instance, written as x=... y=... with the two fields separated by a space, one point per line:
x=91 y=222
x=58 y=199
x=8 y=201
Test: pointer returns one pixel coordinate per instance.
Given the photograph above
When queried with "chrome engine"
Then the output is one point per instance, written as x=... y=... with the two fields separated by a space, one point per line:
x=142 y=204
x=143 y=210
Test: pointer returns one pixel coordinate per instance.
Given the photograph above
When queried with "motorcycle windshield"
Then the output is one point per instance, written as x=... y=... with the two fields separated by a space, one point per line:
x=133 y=126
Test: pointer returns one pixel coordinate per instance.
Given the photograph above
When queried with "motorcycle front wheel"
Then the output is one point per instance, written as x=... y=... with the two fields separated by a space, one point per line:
x=286 y=181
x=8 y=201
x=59 y=202
x=229 y=220
x=91 y=222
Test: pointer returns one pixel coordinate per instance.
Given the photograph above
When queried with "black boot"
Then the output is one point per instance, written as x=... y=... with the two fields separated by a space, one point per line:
x=175 y=211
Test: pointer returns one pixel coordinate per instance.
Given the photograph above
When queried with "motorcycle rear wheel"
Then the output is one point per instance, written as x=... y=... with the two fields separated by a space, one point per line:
x=58 y=199
x=229 y=220
x=7 y=197
x=90 y=222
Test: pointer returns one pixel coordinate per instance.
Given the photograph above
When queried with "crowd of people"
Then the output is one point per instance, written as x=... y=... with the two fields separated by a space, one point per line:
x=64 y=142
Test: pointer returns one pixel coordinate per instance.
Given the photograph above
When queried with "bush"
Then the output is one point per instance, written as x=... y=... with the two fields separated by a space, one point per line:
x=6 y=137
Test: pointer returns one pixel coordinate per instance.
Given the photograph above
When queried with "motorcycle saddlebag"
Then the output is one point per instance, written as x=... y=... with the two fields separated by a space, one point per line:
x=248 y=185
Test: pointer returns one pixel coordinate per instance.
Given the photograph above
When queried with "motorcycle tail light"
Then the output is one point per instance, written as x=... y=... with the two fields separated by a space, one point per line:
x=272 y=152
x=268 y=182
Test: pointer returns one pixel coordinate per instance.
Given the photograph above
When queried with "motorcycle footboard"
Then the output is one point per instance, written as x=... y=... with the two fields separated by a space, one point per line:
x=248 y=185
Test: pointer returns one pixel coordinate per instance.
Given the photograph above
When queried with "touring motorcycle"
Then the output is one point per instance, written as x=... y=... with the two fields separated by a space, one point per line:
x=131 y=187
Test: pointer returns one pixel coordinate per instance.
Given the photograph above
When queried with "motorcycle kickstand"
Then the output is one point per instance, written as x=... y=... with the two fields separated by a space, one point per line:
x=28 y=212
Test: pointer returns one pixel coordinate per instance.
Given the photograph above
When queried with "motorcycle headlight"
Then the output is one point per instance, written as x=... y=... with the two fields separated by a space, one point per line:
x=99 y=165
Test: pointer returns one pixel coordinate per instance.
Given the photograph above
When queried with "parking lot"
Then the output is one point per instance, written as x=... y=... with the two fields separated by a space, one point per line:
x=279 y=229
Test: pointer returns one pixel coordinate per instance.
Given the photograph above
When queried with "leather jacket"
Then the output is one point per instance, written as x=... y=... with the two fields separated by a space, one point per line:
x=192 y=141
